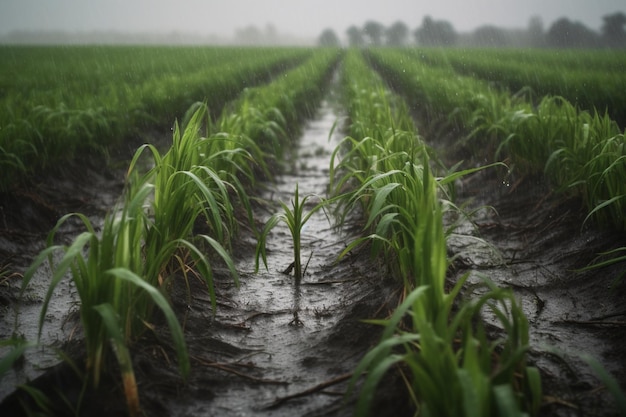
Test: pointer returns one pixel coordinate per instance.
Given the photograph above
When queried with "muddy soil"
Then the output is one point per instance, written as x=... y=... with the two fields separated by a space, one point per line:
x=534 y=242
x=279 y=349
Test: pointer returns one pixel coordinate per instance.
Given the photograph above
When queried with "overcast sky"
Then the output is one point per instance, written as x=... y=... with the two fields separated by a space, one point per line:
x=303 y=18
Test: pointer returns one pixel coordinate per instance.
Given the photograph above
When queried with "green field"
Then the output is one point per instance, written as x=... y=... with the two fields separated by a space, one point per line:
x=58 y=100
x=581 y=151
x=236 y=114
x=588 y=79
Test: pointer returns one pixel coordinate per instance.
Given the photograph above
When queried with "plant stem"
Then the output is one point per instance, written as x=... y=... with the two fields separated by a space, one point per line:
x=296 y=234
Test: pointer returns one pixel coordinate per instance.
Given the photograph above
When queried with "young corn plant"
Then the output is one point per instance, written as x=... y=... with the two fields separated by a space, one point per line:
x=120 y=272
x=116 y=302
x=186 y=189
x=450 y=366
x=295 y=218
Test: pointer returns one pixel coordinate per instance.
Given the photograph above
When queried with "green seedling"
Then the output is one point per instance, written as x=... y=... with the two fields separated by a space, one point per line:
x=295 y=218
x=115 y=302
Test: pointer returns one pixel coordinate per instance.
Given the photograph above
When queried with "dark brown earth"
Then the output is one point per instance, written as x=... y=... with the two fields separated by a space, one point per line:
x=531 y=240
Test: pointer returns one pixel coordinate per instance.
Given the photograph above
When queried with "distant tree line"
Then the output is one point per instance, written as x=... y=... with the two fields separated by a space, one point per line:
x=563 y=33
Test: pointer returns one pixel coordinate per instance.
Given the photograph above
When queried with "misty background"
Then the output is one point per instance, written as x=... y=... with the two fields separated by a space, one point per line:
x=497 y=23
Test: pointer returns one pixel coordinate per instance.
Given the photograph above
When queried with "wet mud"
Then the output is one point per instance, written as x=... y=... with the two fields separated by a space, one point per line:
x=530 y=239
x=275 y=347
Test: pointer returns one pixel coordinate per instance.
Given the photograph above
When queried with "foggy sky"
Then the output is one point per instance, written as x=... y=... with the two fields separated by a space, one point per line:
x=294 y=17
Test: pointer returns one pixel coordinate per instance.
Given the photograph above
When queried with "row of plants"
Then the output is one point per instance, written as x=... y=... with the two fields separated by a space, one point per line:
x=587 y=79
x=436 y=338
x=593 y=59
x=122 y=271
x=57 y=101
x=581 y=153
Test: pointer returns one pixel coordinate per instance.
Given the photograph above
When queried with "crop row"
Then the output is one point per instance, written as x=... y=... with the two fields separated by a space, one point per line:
x=122 y=272
x=56 y=101
x=382 y=170
x=449 y=365
x=589 y=79
x=581 y=153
